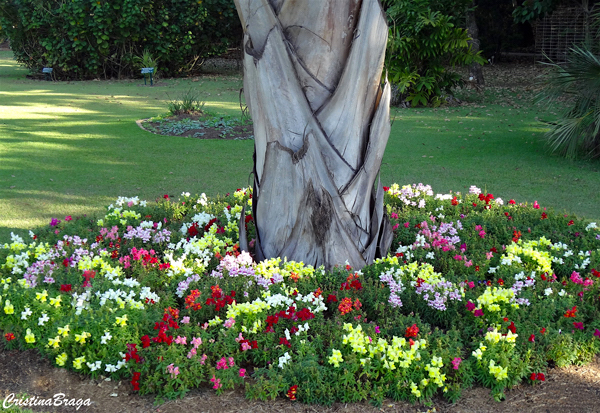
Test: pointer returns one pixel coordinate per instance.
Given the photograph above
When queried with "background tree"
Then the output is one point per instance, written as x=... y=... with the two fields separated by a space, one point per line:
x=425 y=38
x=312 y=72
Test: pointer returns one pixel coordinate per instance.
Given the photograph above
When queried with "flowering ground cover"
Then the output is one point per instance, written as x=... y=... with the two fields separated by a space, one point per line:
x=475 y=290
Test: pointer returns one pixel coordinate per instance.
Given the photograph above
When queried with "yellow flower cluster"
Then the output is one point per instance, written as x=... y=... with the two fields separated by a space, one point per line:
x=495 y=337
x=54 y=342
x=42 y=297
x=40 y=249
x=80 y=338
x=500 y=373
x=255 y=307
x=55 y=301
x=121 y=321
x=8 y=307
x=29 y=336
x=336 y=358
x=492 y=296
x=61 y=359
x=121 y=216
x=86 y=263
x=289 y=269
x=64 y=331
x=434 y=371
x=424 y=271
x=392 y=355
x=77 y=363
x=534 y=250
x=478 y=354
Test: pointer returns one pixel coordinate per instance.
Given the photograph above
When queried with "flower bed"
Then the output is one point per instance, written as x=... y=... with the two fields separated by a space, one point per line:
x=476 y=290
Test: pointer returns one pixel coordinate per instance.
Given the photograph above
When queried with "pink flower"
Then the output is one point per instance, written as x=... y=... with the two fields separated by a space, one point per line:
x=394 y=215
x=456 y=363
x=231 y=362
x=192 y=353
x=597 y=333
x=242 y=373
x=203 y=359
x=470 y=306
x=185 y=320
x=536 y=205
x=468 y=263
x=478 y=312
x=471 y=284
x=181 y=340
x=406 y=224
x=196 y=342
x=458 y=257
x=395 y=227
x=489 y=255
x=217 y=382
x=239 y=338
x=377 y=331
x=578 y=325
x=229 y=322
x=68 y=218
x=482 y=234
x=222 y=364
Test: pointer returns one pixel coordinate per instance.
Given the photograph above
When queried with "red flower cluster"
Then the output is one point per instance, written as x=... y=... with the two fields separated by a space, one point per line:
x=570 y=223
x=190 y=300
x=285 y=342
x=544 y=215
x=512 y=327
x=537 y=376
x=135 y=381
x=65 y=288
x=132 y=353
x=571 y=313
x=291 y=393
x=9 y=336
x=346 y=305
x=487 y=198
x=193 y=230
x=87 y=275
x=168 y=321
x=411 y=331
x=516 y=235
x=454 y=201
x=595 y=272
x=351 y=282
x=218 y=299
x=289 y=314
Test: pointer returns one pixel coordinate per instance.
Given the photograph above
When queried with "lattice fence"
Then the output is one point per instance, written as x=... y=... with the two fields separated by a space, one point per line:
x=557 y=33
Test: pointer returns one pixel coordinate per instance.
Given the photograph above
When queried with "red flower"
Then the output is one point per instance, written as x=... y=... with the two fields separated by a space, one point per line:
x=65 y=288
x=544 y=215
x=386 y=188
x=9 y=336
x=505 y=319
x=412 y=331
x=145 y=341
x=533 y=377
x=88 y=275
x=474 y=204
x=532 y=338
x=291 y=393
x=543 y=330
x=541 y=377
x=571 y=313
x=595 y=272
x=501 y=281
x=165 y=196
x=512 y=327
x=512 y=202
x=454 y=201
x=66 y=262
x=570 y=223
x=285 y=342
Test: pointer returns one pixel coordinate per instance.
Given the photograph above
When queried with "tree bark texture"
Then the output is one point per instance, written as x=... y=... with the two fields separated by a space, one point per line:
x=312 y=82
x=475 y=69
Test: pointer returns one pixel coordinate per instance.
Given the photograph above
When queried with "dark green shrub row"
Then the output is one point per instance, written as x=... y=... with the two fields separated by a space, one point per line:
x=98 y=38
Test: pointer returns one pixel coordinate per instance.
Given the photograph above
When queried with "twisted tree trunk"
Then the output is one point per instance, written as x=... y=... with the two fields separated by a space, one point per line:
x=312 y=72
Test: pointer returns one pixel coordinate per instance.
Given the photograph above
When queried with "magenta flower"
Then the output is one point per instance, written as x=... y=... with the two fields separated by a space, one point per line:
x=203 y=359
x=222 y=364
x=470 y=306
x=471 y=284
x=536 y=205
x=54 y=222
x=406 y=224
x=456 y=363
x=68 y=218
x=478 y=312
x=395 y=227
x=242 y=373
x=482 y=234
x=578 y=325
x=468 y=263
x=217 y=383
x=377 y=331
x=394 y=215
x=597 y=333
x=458 y=257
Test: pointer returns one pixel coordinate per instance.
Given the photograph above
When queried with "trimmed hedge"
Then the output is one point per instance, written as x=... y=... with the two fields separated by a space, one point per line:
x=84 y=39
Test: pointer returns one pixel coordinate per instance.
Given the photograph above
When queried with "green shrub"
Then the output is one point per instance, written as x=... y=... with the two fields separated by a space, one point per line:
x=188 y=102
x=87 y=39
x=424 y=39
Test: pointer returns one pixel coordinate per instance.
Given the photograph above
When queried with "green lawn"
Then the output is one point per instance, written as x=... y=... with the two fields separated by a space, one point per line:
x=70 y=148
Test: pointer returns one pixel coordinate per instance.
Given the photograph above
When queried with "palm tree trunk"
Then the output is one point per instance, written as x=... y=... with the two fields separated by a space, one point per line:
x=312 y=73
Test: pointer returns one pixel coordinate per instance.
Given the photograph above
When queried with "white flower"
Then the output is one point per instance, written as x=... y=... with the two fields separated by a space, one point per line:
x=499 y=201
x=104 y=339
x=94 y=366
x=562 y=293
x=110 y=368
x=430 y=255
x=548 y=291
x=42 y=320
x=283 y=360
x=287 y=334
x=26 y=313
x=186 y=194
x=492 y=270
x=591 y=225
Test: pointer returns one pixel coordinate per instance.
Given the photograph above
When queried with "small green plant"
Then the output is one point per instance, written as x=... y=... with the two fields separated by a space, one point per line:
x=188 y=102
x=147 y=60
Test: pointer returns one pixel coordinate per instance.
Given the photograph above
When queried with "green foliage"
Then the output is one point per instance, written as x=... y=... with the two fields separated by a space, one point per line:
x=424 y=39
x=146 y=60
x=530 y=10
x=188 y=102
x=577 y=130
x=87 y=38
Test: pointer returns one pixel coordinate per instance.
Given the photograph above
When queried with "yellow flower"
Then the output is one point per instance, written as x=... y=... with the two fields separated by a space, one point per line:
x=8 y=307
x=336 y=358
x=64 y=331
x=54 y=342
x=61 y=359
x=55 y=301
x=41 y=296
x=80 y=338
x=121 y=321
x=29 y=337
x=78 y=362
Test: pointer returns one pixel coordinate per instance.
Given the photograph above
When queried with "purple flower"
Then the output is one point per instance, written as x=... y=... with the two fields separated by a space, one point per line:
x=54 y=222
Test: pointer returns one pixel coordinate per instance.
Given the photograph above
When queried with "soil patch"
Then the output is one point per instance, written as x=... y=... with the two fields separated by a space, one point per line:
x=565 y=390
x=199 y=126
